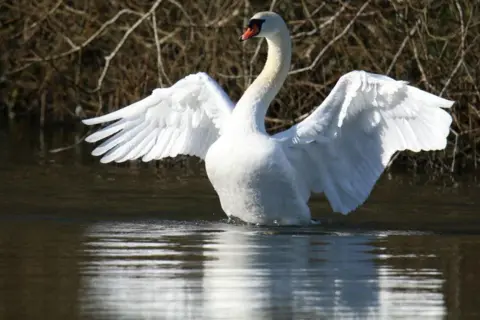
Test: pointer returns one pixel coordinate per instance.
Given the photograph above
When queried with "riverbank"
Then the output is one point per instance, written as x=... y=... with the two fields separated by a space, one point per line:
x=61 y=62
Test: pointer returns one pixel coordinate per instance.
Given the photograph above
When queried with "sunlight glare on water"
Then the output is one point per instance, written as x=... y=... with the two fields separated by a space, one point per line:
x=236 y=272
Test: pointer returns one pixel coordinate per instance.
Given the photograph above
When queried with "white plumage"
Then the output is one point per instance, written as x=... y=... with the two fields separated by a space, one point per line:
x=347 y=142
x=341 y=149
x=184 y=119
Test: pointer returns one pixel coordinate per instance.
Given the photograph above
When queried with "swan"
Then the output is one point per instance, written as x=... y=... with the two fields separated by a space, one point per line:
x=340 y=149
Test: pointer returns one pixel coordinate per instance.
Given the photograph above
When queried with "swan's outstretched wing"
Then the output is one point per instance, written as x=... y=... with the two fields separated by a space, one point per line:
x=185 y=118
x=345 y=144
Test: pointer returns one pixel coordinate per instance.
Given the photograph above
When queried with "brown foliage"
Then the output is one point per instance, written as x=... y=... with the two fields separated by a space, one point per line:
x=101 y=55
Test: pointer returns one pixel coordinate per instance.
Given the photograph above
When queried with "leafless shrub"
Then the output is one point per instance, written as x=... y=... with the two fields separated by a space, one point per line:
x=101 y=55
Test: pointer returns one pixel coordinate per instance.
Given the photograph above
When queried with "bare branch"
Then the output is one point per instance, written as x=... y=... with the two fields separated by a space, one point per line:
x=88 y=41
x=462 y=48
x=402 y=46
x=122 y=41
x=61 y=56
x=332 y=42
x=160 y=68
x=323 y=25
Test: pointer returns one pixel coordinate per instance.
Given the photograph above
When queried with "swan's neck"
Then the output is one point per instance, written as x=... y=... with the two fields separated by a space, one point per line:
x=249 y=113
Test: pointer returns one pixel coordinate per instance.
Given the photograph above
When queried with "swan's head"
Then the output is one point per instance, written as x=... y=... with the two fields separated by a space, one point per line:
x=263 y=24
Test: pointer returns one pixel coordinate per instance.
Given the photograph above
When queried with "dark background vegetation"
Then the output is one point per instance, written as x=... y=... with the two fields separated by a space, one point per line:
x=63 y=60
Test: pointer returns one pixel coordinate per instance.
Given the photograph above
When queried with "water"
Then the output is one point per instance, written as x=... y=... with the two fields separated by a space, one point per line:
x=89 y=241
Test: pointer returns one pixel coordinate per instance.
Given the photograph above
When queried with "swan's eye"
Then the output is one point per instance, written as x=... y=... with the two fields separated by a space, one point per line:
x=254 y=28
x=256 y=23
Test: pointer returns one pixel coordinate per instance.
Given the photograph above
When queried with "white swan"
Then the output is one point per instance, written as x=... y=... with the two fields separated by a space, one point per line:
x=341 y=149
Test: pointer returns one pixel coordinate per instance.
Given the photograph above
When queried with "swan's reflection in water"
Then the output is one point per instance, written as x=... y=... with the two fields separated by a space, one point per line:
x=235 y=272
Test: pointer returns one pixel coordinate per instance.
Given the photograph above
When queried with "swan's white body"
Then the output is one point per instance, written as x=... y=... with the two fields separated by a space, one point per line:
x=255 y=180
x=341 y=149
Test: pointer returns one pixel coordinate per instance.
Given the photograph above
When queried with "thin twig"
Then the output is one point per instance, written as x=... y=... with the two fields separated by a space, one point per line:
x=323 y=25
x=462 y=48
x=160 y=69
x=454 y=152
x=335 y=39
x=122 y=41
x=421 y=69
x=402 y=46
x=159 y=52
x=86 y=42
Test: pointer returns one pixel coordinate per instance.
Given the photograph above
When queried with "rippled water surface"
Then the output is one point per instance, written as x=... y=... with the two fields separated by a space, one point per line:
x=89 y=241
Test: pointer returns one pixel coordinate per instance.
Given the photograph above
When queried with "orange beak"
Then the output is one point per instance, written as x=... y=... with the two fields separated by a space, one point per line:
x=250 y=33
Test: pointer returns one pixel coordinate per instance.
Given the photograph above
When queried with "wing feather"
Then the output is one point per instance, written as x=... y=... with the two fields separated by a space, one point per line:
x=142 y=147
x=166 y=123
x=120 y=139
x=156 y=150
x=343 y=147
